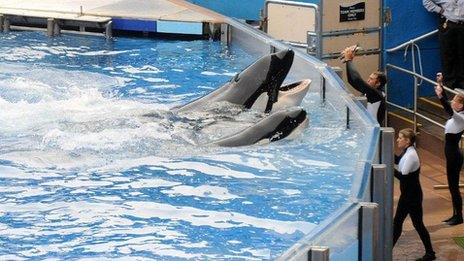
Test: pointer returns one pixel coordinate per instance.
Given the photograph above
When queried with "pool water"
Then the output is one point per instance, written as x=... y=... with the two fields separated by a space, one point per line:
x=94 y=166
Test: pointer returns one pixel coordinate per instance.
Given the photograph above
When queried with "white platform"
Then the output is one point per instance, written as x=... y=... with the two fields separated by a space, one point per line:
x=101 y=10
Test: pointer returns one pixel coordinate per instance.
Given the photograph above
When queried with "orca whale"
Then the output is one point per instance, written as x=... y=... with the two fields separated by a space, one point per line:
x=279 y=125
x=262 y=80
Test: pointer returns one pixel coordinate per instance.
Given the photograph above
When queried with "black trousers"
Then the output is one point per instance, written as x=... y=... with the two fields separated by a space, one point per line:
x=414 y=209
x=454 y=162
x=451 y=41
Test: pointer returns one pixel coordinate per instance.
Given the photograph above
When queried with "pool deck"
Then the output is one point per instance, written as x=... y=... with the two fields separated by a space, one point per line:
x=437 y=207
x=158 y=16
x=167 y=10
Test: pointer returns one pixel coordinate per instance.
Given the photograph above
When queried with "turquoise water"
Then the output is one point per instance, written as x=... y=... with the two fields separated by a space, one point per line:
x=93 y=165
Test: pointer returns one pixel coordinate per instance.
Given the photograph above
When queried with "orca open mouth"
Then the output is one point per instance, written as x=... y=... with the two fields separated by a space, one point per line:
x=296 y=87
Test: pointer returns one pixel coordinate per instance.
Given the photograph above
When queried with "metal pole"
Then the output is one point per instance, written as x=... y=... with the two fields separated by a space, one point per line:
x=368 y=231
x=378 y=183
x=403 y=45
x=385 y=121
x=420 y=77
x=318 y=253
x=1 y=22
x=415 y=88
x=56 y=28
x=50 y=26
x=6 y=25
x=225 y=33
x=347 y=118
x=387 y=158
x=323 y=89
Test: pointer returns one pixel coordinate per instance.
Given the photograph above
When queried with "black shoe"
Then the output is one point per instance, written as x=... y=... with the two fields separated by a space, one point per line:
x=427 y=256
x=456 y=220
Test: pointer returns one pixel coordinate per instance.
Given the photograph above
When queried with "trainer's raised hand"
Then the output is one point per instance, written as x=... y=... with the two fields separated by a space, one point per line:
x=348 y=53
x=439 y=86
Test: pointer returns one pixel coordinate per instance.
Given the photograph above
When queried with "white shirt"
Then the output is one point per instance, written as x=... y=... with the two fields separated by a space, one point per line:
x=409 y=162
x=456 y=123
x=453 y=10
x=373 y=108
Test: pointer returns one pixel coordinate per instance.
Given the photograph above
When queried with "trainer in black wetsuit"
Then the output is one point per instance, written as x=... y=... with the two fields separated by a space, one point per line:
x=372 y=89
x=454 y=129
x=410 y=201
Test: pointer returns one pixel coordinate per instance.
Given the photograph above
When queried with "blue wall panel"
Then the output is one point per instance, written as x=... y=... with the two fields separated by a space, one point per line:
x=410 y=20
x=180 y=27
x=134 y=25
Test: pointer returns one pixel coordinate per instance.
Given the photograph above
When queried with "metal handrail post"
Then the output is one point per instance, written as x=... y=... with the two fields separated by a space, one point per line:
x=385 y=121
x=403 y=45
x=415 y=89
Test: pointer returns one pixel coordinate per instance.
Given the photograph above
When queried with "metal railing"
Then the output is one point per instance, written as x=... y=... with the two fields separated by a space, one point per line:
x=418 y=77
x=415 y=96
x=417 y=84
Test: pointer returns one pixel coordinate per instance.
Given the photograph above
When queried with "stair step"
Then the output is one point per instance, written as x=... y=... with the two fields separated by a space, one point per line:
x=430 y=136
x=433 y=106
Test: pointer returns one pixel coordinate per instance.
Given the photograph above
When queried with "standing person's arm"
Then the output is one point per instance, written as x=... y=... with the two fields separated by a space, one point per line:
x=396 y=172
x=431 y=6
x=354 y=78
x=442 y=95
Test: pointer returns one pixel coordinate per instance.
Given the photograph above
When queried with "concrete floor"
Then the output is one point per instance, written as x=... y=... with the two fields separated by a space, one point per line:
x=437 y=207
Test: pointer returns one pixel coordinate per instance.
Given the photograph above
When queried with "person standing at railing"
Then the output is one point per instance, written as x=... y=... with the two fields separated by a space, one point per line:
x=454 y=128
x=451 y=38
x=410 y=202
x=373 y=88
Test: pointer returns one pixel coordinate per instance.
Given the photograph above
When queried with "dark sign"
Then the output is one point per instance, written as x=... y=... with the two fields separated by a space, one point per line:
x=354 y=12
